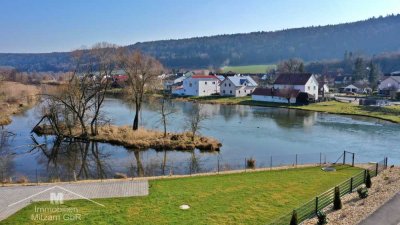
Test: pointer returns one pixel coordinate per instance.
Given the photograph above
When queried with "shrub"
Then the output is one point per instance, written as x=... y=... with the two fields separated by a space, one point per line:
x=120 y=176
x=321 y=218
x=362 y=192
x=251 y=163
x=22 y=180
x=294 y=220
x=368 y=182
x=337 y=202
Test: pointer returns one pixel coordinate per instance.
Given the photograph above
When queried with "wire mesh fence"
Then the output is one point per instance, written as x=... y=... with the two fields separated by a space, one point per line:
x=310 y=209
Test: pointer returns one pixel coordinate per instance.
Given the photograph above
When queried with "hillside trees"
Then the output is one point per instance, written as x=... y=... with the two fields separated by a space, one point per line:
x=293 y=65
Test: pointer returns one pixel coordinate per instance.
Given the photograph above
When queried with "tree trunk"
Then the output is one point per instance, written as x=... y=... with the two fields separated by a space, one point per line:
x=135 y=125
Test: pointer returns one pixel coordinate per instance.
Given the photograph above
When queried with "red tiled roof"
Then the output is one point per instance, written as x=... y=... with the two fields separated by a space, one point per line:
x=284 y=93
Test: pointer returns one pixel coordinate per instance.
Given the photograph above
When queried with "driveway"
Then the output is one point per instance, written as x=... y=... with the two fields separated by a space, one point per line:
x=12 y=199
x=388 y=214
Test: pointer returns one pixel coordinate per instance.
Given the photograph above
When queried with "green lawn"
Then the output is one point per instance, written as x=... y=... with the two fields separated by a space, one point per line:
x=249 y=68
x=243 y=198
x=390 y=113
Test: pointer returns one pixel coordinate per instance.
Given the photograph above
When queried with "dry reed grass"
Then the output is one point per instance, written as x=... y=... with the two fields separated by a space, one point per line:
x=14 y=98
x=142 y=138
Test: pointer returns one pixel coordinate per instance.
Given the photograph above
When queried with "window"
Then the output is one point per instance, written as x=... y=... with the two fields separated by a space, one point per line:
x=213 y=82
x=204 y=91
x=205 y=83
x=190 y=84
x=309 y=88
x=225 y=84
x=223 y=91
x=315 y=88
x=229 y=85
x=239 y=92
x=230 y=91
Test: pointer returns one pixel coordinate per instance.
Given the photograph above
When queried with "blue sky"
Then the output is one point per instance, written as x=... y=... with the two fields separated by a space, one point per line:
x=55 y=25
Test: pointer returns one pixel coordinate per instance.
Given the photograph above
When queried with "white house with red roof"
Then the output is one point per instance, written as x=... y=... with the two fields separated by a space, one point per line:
x=200 y=85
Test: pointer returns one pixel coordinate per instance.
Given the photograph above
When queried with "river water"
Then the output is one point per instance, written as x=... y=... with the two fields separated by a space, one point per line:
x=245 y=131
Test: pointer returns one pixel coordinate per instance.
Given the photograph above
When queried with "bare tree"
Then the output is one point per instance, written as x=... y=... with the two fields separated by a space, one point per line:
x=83 y=95
x=291 y=66
x=195 y=120
x=142 y=71
x=166 y=109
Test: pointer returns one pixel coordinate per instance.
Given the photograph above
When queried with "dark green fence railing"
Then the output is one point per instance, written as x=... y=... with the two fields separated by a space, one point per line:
x=310 y=209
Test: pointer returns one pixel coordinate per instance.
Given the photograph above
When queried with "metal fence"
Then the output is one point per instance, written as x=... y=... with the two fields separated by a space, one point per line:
x=310 y=209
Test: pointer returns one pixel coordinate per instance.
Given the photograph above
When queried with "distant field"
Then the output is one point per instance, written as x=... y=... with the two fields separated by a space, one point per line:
x=249 y=68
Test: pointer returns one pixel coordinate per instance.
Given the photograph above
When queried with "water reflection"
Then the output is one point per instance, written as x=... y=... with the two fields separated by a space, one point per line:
x=69 y=159
x=6 y=156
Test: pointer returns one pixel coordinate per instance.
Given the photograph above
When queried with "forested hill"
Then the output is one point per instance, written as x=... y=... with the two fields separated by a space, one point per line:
x=369 y=37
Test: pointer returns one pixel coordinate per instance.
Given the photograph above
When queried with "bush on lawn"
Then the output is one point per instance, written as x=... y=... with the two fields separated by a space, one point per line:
x=294 y=220
x=368 y=182
x=337 y=202
x=251 y=163
x=362 y=192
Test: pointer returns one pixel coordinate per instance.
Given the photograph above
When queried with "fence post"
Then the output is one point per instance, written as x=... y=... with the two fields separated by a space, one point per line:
x=316 y=205
x=344 y=157
x=376 y=169
x=365 y=176
x=352 y=160
x=351 y=185
x=270 y=165
x=218 y=165
x=320 y=158
x=386 y=162
x=296 y=160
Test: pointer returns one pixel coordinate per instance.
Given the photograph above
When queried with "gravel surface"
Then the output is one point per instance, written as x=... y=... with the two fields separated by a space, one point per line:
x=384 y=187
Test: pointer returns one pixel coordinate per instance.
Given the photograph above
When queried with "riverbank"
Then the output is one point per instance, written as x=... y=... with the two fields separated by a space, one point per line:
x=141 y=139
x=388 y=113
x=15 y=98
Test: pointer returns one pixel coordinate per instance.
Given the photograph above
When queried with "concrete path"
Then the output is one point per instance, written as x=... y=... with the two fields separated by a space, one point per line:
x=12 y=199
x=388 y=214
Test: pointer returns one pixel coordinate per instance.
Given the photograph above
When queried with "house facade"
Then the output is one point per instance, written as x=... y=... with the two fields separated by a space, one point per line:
x=237 y=86
x=200 y=85
x=389 y=85
x=303 y=82
x=275 y=95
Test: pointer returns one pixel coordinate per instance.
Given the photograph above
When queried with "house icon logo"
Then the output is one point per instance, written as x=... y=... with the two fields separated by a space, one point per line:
x=56 y=196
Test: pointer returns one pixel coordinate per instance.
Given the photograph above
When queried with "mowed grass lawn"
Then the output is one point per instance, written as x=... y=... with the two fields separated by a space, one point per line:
x=242 y=198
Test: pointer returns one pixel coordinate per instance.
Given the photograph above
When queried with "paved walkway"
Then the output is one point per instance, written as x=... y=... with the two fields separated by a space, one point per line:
x=12 y=199
x=388 y=214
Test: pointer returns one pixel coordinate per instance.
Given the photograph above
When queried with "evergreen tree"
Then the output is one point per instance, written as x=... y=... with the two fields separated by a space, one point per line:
x=373 y=74
x=359 y=69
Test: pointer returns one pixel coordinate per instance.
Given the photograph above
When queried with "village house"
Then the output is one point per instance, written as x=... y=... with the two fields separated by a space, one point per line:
x=356 y=88
x=390 y=86
x=304 y=82
x=199 y=85
x=237 y=86
x=275 y=95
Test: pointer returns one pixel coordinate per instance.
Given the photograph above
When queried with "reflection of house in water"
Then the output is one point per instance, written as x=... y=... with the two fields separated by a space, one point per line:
x=288 y=118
